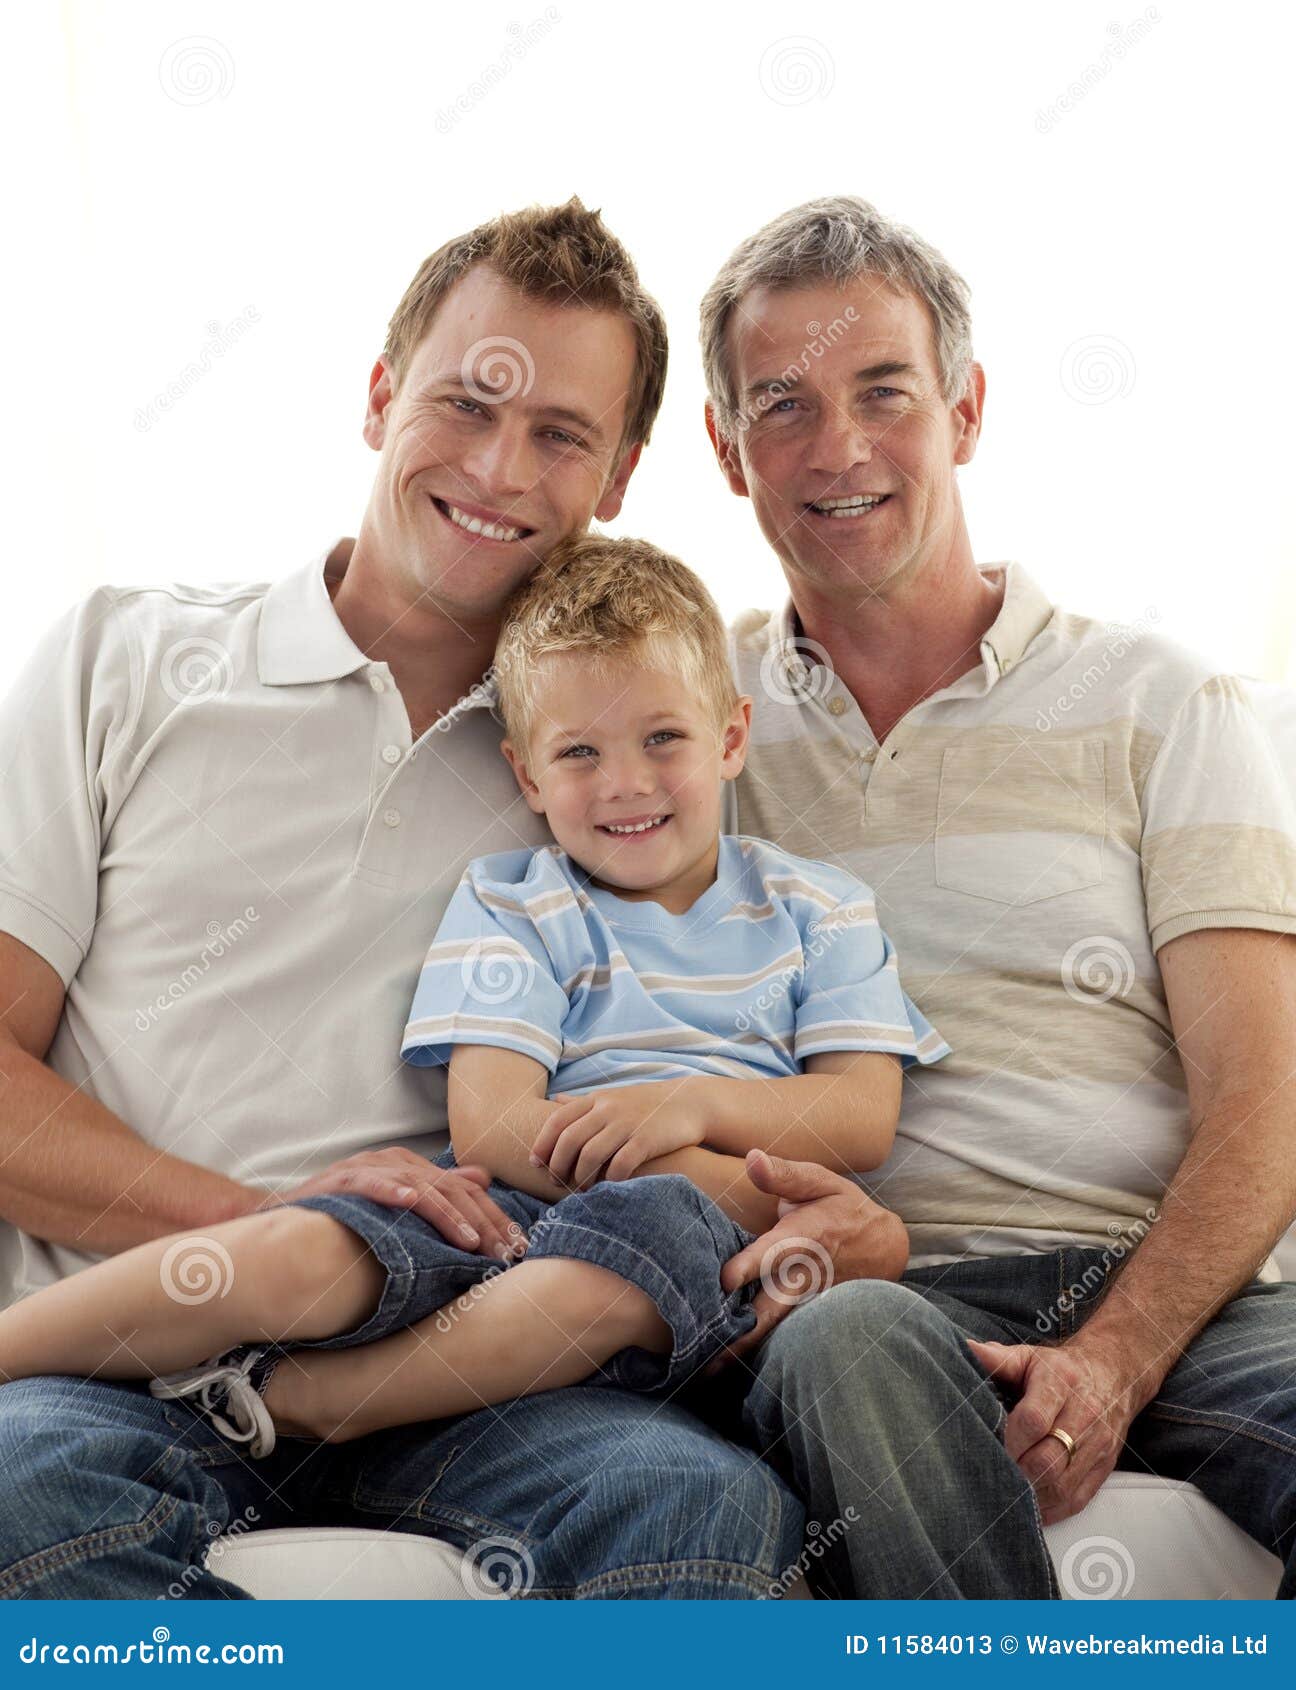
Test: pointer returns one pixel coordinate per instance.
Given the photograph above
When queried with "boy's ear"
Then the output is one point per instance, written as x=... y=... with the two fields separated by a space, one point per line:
x=530 y=791
x=734 y=739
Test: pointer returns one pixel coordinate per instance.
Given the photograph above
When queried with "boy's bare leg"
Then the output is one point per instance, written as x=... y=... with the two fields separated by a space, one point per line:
x=284 y=1274
x=540 y=1325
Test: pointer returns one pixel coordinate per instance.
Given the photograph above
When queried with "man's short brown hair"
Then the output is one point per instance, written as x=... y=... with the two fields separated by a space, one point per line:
x=563 y=255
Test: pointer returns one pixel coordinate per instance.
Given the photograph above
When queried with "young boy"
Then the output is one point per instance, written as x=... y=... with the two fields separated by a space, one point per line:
x=626 y=1014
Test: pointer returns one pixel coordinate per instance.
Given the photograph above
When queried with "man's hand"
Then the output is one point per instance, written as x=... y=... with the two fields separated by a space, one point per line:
x=609 y=1134
x=453 y=1200
x=829 y=1231
x=1085 y=1387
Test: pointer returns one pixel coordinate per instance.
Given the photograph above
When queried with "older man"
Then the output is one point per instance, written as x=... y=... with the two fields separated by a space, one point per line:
x=1080 y=840
x=232 y=818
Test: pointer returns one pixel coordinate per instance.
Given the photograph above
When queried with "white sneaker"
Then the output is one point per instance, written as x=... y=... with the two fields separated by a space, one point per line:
x=225 y=1383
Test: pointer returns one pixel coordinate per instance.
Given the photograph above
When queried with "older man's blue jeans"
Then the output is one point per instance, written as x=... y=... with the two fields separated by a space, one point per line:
x=870 y=1403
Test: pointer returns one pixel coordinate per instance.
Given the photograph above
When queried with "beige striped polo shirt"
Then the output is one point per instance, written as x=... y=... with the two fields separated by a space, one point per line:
x=1033 y=834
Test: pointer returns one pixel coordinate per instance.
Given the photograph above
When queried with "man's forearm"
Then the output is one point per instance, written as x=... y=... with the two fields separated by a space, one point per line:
x=73 y=1173
x=1229 y=1202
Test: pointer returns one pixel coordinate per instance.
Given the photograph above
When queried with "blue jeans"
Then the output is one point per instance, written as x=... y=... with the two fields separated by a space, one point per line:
x=658 y=1233
x=868 y=1399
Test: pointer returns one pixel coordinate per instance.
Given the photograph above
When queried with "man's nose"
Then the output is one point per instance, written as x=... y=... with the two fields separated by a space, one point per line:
x=499 y=462
x=839 y=443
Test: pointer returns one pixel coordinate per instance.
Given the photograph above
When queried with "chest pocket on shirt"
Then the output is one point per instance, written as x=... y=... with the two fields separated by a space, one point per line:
x=1020 y=822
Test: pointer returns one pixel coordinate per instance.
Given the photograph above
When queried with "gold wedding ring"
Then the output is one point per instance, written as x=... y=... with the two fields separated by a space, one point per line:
x=1065 y=1439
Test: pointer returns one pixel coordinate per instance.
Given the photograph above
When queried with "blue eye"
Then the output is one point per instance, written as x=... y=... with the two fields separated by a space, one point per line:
x=664 y=733
x=578 y=751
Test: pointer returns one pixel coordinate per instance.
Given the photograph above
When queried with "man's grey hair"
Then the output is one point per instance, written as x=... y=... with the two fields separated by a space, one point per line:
x=836 y=239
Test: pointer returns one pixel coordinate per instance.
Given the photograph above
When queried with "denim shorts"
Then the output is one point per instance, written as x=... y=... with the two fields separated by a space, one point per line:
x=658 y=1232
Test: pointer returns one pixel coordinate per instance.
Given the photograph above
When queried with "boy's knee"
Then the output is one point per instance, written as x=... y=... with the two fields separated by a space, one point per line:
x=285 y=1258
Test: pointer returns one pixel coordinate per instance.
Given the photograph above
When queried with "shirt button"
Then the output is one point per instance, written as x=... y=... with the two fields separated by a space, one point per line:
x=391 y=818
x=377 y=683
x=391 y=754
x=836 y=706
x=869 y=756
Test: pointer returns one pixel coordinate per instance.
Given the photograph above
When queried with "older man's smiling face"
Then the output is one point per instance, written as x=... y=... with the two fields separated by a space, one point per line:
x=503 y=437
x=847 y=453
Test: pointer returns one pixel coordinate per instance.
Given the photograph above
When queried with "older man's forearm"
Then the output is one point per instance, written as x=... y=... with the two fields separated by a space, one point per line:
x=1230 y=1201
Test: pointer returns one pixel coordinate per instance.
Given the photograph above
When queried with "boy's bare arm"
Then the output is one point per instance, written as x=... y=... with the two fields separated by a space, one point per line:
x=496 y=1103
x=841 y=1113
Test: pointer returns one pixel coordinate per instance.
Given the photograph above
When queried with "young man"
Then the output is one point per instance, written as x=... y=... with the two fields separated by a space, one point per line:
x=232 y=817
x=1084 y=849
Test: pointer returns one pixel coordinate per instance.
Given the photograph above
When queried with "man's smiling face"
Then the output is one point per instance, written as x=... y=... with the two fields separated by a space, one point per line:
x=847 y=453
x=503 y=437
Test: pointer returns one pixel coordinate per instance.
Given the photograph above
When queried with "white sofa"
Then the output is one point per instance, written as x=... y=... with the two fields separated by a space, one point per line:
x=1140 y=1537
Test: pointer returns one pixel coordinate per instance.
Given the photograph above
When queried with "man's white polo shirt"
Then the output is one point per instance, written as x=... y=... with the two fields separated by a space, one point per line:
x=1033 y=833
x=216 y=829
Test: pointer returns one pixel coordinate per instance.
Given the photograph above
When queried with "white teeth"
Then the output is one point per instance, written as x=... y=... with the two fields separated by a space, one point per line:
x=640 y=827
x=856 y=505
x=474 y=525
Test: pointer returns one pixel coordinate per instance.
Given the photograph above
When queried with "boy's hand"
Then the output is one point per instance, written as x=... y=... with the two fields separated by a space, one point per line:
x=609 y=1134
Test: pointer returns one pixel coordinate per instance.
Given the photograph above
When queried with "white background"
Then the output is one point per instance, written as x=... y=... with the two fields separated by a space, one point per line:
x=175 y=171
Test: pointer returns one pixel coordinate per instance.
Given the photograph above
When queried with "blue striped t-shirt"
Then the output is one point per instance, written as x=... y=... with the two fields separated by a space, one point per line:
x=779 y=958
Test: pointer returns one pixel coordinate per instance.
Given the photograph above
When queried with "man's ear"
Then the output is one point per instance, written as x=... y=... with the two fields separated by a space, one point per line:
x=382 y=390
x=609 y=506
x=727 y=457
x=737 y=731
x=967 y=416
x=530 y=791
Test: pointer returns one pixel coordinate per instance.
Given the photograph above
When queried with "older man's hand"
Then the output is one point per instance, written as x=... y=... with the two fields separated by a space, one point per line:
x=828 y=1231
x=1087 y=1387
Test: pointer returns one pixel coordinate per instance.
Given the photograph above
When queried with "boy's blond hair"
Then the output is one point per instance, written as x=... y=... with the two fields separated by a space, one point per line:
x=612 y=600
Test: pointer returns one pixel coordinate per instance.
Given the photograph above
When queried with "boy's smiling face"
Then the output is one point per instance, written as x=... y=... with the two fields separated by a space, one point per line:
x=627 y=769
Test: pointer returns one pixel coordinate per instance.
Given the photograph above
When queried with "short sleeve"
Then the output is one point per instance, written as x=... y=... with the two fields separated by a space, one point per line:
x=63 y=726
x=850 y=996
x=486 y=980
x=1219 y=828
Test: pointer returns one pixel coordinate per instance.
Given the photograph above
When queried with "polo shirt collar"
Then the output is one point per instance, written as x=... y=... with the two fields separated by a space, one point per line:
x=1024 y=614
x=301 y=637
